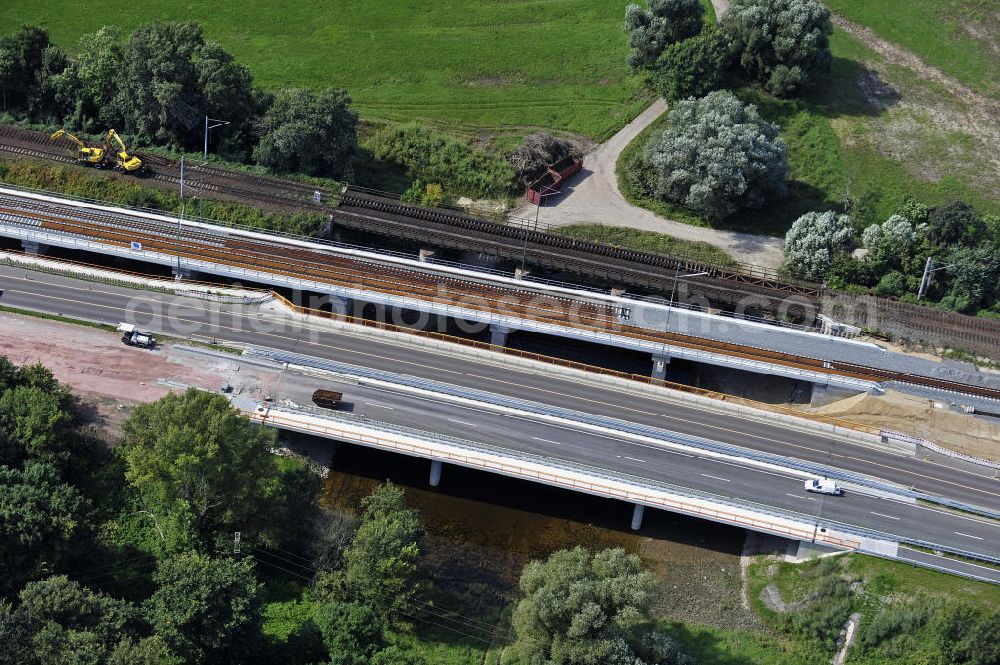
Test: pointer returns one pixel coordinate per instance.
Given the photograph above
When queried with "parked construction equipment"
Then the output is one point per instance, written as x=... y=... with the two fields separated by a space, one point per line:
x=124 y=162
x=89 y=155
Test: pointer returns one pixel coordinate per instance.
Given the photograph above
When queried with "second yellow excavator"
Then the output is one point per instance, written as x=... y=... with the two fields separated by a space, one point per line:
x=90 y=155
x=125 y=162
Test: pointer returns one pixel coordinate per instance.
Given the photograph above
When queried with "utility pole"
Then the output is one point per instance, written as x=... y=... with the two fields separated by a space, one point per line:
x=538 y=208
x=928 y=277
x=218 y=123
x=179 y=221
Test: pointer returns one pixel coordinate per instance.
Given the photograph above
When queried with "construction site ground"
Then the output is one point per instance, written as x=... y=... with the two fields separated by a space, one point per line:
x=924 y=418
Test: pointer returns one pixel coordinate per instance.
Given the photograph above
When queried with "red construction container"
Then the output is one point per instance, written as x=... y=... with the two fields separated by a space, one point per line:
x=554 y=176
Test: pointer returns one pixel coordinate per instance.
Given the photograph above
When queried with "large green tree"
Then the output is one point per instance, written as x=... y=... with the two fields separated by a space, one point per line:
x=168 y=81
x=587 y=609
x=206 y=610
x=194 y=454
x=29 y=67
x=663 y=22
x=693 y=67
x=783 y=44
x=308 y=132
x=380 y=567
x=73 y=625
x=35 y=423
x=40 y=520
x=717 y=156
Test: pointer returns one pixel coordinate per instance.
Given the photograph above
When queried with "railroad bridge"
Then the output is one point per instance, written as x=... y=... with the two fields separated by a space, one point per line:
x=502 y=302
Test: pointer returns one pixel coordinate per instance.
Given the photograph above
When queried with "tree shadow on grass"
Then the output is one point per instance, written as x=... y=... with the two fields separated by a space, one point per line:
x=775 y=218
x=705 y=646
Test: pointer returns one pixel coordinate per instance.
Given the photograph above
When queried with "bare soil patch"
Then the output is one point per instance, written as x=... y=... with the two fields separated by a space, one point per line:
x=921 y=418
x=934 y=124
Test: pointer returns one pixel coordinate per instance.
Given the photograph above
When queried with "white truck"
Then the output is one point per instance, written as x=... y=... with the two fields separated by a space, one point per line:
x=824 y=486
x=133 y=337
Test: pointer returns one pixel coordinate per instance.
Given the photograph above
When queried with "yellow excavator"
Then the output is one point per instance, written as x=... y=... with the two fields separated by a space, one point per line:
x=89 y=155
x=124 y=162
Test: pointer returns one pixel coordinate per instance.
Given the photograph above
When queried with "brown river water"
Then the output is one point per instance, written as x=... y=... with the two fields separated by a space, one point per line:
x=484 y=528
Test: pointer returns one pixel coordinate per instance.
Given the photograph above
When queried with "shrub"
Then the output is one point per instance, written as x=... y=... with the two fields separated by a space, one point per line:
x=717 y=156
x=434 y=157
x=782 y=44
x=892 y=284
x=693 y=67
x=430 y=195
x=895 y=620
x=813 y=242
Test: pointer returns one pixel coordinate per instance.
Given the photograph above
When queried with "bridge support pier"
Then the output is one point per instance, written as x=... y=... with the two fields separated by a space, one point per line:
x=521 y=273
x=427 y=255
x=33 y=248
x=435 y=479
x=660 y=362
x=182 y=273
x=339 y=305
x=498 y=335
x=637 y=512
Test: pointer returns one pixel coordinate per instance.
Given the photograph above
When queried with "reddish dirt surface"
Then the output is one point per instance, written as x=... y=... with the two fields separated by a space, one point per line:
x=95 y=362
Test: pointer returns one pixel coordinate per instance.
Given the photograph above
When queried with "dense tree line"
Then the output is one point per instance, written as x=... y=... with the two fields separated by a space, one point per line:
x=889 y=258
x=157 y=84
x=126 y=556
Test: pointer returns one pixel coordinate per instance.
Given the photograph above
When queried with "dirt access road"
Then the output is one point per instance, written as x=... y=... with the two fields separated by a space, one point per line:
x=593 y=197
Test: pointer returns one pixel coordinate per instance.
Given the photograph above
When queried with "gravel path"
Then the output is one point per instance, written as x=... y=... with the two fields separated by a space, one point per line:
x=720 y=7
x=593 y=197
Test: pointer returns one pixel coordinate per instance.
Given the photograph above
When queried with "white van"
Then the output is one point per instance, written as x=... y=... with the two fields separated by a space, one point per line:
x=824 y=486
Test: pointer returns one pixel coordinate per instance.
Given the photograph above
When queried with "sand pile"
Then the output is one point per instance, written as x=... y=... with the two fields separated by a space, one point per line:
x=920 y=417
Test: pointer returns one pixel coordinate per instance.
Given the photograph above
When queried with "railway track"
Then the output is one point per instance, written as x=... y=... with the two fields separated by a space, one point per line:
x=204 y=178
x=237 y=251
x=745 y=286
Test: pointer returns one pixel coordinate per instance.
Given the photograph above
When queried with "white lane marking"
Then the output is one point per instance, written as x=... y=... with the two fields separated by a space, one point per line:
x=546 y=440
x=462 y=422
x=635 y=459
x=796 y=496
x=967 y=535
x=380 y=406
x=940 y=511
x=883 y=515
x=725 y=480
x=747 y=468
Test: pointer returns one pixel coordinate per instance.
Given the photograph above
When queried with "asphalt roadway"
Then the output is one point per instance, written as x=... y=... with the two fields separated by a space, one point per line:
x=242 y=324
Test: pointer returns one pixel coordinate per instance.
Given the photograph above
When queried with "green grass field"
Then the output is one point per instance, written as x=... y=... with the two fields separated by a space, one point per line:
x=841 y=145
x=957 y=36
x=514 y=65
